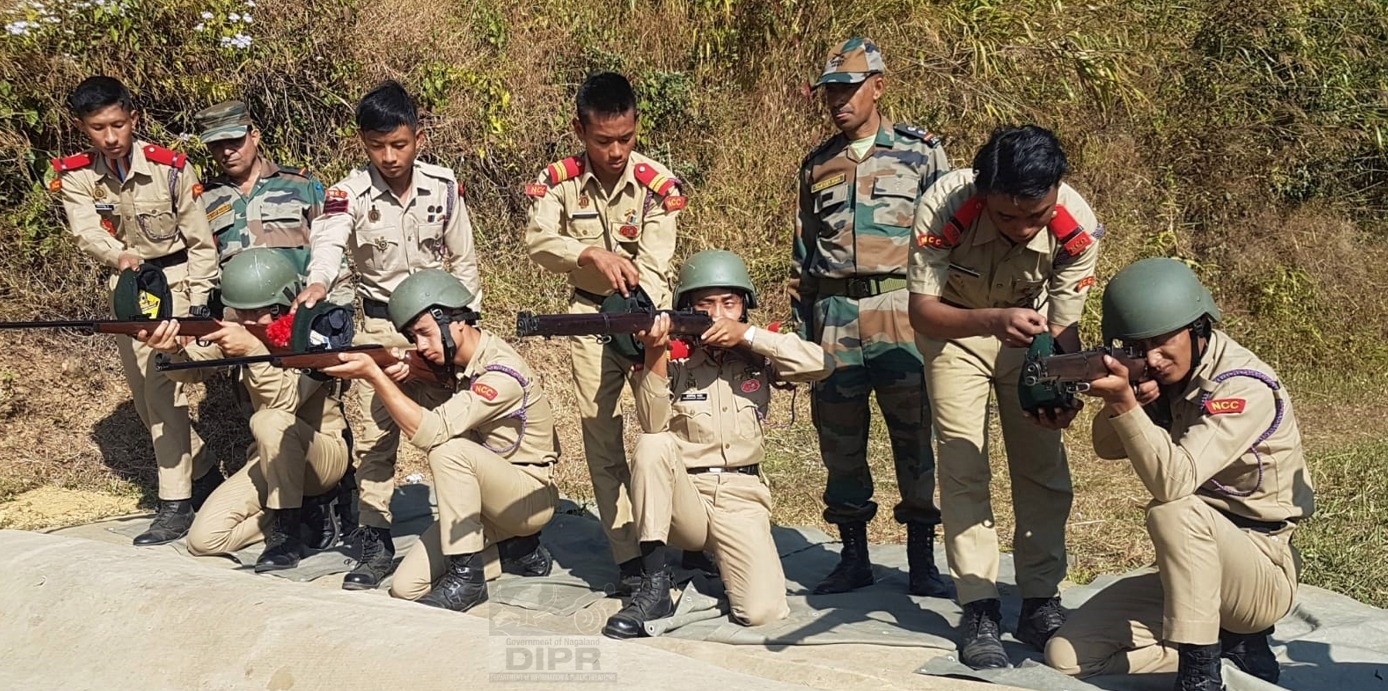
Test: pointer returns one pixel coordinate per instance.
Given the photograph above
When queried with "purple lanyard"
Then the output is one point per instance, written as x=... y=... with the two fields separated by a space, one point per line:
x=1276 y=422
x=519 y=414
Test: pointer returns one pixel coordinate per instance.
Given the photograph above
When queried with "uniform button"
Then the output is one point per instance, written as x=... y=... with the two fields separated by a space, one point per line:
x=725 y=409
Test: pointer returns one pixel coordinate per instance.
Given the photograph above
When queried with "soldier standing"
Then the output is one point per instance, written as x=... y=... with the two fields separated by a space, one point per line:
x=256 y=202
x=605 y=219
x=857 y=198
x=491 y=445
x=994 y=246
x=396 y=216
x=133 y=205
x=1211 y=433
x=695 y=472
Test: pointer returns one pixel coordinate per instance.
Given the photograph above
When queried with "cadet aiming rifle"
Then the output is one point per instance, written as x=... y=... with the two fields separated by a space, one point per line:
x=314 y=360
x=687 y=323
x=1050 y=379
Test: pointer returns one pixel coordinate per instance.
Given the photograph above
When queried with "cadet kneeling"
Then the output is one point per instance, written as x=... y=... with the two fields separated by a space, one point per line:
x=694 y=473
x=1211 y=433
x=491 y=445
x=300 y=451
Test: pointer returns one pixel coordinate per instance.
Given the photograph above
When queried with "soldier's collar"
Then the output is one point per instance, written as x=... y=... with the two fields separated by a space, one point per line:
x=382 y=191
x=1202 y=379
x=623 y=182
x=481 y=356
x=885 y=138
x=987 y=232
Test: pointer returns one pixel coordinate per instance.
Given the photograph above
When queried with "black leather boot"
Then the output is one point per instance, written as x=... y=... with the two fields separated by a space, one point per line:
x=854 y=569
x=925 y=578
x=205 y=485
x=981 y=647
x=1041 y=617
x=283 y=547
x=1251 y=653
x=320 y=525
x=376 y=562
x=525 y=556
x=345 y=505
x=1197 y=668
x=651 y=601
x=629 y=576
x=463 y=586
x=171 y=521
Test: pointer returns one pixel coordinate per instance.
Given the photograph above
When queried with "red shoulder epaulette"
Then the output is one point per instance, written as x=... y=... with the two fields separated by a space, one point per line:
x=159 y=154
x=555 y=173
x=73 y=162
x=658 y=182
x=1069 y=232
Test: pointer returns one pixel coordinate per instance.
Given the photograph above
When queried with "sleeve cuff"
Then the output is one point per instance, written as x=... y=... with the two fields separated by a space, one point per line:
x=430 y=427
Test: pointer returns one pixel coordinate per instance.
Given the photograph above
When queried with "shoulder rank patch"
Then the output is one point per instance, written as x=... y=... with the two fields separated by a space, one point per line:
x=484 y=391
x=657 y=181
x=560 y=171
x=918 y=133
x=335 y=201
x=73 y=162
x=159 y=154
x=1225 y=406
x=1073 y=238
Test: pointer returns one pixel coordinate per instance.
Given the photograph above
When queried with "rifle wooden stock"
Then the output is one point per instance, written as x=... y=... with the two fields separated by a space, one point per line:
x=316 y=360
x=1071 y=369
x=682 y=323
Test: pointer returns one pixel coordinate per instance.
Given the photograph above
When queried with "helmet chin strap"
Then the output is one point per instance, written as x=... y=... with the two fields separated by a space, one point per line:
x=1200 y=328
x=450 y=347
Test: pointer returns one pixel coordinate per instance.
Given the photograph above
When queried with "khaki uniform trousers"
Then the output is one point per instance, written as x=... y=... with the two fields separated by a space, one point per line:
x=599 y=375
x=162 y=405
x=1209 y=574
x=728 y=514
x=289 y=460
x=483 y=499
x=959 y=375
x=378 y=440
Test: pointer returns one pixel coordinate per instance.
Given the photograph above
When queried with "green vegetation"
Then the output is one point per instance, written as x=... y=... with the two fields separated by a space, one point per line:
x=1247 y=139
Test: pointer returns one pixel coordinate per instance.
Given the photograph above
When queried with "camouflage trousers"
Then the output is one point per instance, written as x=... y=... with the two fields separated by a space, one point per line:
x=874 y=350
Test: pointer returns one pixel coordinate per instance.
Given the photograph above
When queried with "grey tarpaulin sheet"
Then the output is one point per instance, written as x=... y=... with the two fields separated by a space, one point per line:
x=1328 y=642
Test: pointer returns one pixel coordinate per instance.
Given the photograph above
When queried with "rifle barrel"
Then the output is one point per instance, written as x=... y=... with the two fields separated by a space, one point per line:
x=683 y=322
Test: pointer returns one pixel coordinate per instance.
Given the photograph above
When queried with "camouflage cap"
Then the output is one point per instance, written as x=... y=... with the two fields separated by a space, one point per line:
x=852 y=62
x=227 y=120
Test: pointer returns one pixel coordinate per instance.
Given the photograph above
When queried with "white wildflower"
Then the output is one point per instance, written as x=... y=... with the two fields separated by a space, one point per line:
x=198 y=27
x=250 y=3
x=234 y=17
x=241 y=41
x=414 y=478
x=246 y=18
x=19 y=28
x=51 y=19
x=206 y=15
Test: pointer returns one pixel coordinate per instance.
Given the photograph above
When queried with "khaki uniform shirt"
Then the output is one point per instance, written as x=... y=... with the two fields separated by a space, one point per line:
x=981 y=268
x=317 y=403
x=495 y=408
x=1210 y=447
x=390 y=239
x=715 y=401
x=570 y=212
x=109 y=216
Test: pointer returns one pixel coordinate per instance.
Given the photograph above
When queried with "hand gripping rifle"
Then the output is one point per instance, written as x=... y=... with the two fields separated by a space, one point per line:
x=314 y=360
x=1051 y=379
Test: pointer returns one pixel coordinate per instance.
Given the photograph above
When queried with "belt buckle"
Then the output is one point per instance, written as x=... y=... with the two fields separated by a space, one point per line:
x=859 y=288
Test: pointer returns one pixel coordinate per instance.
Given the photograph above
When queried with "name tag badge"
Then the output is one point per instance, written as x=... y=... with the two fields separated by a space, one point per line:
x=105 y=208
x=579 y=215
x=828 y=182
x=693 y=397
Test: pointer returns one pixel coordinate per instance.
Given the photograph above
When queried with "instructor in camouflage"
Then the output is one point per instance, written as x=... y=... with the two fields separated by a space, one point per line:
x=857 y=200
x=255 y=202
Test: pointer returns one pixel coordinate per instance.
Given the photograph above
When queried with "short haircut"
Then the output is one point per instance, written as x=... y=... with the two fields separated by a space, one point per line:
x=605 y=95
x=1023 y=162
x=96 y=93
x=385 y=108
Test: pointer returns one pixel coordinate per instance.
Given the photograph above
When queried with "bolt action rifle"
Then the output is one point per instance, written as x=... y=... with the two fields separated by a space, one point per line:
x=314 y=360
x=197 y=327
x=686 y=323
x=1050 y=379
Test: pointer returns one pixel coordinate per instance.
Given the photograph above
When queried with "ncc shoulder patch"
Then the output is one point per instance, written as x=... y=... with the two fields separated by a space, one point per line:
x=55 y=185
x=1225 y=406
x=918 y=133
x=197 y=190
x=536 y=189
x=335 y=201
x=73 y=162
x=676 y=202
x=1085 y=283
x=168 y=157
x=484 y=391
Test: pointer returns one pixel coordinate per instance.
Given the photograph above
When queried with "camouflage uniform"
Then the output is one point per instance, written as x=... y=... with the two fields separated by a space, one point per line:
x=852 y=234
x=279 y=210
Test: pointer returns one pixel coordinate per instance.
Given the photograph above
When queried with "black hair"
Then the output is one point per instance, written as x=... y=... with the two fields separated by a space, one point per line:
x=385 y=108
x=1023 y=162
x=606 y=95
x=95 y=93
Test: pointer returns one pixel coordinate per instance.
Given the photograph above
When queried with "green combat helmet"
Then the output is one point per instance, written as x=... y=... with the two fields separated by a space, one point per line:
x=425 y=289
x=259 y=277
x=715 y=269
x=1154 y=297
x=142 y=293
